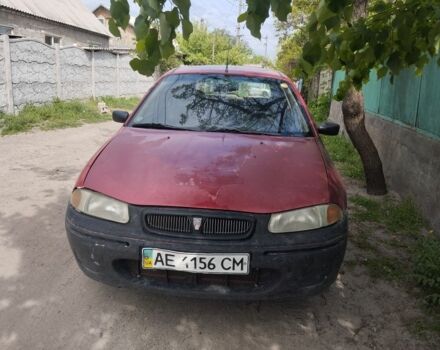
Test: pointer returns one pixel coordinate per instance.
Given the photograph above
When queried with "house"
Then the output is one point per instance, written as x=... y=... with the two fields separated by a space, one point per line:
x=64 y=22
x=127 y=41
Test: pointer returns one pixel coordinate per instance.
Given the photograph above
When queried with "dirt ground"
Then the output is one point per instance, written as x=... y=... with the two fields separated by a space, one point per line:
x=47 y=303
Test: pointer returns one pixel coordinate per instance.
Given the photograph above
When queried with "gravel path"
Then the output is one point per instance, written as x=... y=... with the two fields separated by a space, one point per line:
x=47 y=303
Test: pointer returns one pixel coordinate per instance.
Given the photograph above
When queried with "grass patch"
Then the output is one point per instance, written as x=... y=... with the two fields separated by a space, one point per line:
x=426 y=256
x=340 y=148
x=60 y=114
x=396 y=217
x=417 y=262
x=124 y=103
x=345 y=156
x=424 y=327
x=360 y=239
x=385 y=267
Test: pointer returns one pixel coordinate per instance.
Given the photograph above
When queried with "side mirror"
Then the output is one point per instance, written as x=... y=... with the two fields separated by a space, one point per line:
x=120 y=116
x=329 y=128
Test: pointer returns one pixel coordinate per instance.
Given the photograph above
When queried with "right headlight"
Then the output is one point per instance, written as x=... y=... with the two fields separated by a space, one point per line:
x=305 y=219
x=99 y=205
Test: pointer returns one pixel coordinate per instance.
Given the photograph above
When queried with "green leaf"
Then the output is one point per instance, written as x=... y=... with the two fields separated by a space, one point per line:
x=306 y=67
x=332 y=22
x=140 y=46
x=253 y=24
x=183 y=6
x=141 y=26
x=187 y=28
x=324 y=13
x=165 y=29
x=312 y=23
x=337 y=5
x=348 y=13
x=312 y=52
x=120 y=11
x=167 y=49
x=154 y=4
x=113 y=27
x=257 y=12
x=147 y=11
x=135 y=64
x=242 y=17
x=394 y=63
x=145 y=67
x=281 y=8
x=151 y=41
x=173 y=17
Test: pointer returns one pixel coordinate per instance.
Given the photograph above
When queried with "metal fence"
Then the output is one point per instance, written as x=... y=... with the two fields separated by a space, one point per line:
x=410 y=100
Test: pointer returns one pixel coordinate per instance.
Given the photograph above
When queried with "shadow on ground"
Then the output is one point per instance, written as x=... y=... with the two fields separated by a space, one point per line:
x=46 y=302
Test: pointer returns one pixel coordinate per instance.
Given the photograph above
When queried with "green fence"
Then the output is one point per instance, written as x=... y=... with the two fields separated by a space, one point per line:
x=411 y=100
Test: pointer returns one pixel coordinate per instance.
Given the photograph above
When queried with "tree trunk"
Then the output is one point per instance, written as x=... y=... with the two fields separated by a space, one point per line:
x=354 y=120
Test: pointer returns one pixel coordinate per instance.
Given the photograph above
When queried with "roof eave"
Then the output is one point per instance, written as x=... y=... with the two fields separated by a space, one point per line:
x=53 y=21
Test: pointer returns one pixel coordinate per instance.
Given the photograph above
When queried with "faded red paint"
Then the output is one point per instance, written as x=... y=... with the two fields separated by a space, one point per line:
x=248 y=173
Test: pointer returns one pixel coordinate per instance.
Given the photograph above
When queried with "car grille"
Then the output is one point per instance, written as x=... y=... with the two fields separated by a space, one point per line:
x=169 y=223
x=209 y=226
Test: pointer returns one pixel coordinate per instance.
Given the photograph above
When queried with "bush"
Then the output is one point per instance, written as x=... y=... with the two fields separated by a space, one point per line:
x=427 y=268
x=320 y=108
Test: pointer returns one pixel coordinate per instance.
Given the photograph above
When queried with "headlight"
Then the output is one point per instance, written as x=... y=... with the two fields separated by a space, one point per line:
x=305 y=218
x=96 y=204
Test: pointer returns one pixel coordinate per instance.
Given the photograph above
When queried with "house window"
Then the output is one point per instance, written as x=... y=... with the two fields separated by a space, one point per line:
x=52 y=40
x=102 y=20
x=5 y=30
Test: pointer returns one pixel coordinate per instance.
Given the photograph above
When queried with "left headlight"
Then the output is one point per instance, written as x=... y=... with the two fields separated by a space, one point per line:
x=305 y=219
x=99 y=205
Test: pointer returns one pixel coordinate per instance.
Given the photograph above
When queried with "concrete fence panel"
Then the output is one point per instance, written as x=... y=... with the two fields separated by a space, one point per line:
x=105 y=74
x=32 y=72
x=76 y=73
x=3 y=101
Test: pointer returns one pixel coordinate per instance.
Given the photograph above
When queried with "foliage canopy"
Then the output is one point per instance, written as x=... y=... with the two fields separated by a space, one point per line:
x=396 y=34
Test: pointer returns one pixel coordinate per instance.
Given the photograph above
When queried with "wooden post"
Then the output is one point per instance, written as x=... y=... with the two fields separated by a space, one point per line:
x=58 y=70
x=93 y=75
x=8 y=75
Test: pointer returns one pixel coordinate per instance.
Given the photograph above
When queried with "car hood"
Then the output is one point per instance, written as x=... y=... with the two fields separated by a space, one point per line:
x=223 y=171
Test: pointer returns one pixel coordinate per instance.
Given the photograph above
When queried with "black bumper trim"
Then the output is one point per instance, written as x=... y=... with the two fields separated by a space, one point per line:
x=305 y=263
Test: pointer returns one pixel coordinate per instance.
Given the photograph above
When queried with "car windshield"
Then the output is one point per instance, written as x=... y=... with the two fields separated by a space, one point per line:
x=223 y=103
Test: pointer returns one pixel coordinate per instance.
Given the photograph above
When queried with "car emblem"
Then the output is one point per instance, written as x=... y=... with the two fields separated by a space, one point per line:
x=197 y=222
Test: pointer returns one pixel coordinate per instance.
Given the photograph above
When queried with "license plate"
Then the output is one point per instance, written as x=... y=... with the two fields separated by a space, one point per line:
x=234 y=264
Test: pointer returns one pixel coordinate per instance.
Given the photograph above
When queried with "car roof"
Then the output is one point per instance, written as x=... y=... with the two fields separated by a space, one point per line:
x=250 y=70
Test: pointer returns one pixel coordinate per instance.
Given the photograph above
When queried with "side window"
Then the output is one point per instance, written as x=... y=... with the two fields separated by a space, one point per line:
x=294 y=119
x=154 y=108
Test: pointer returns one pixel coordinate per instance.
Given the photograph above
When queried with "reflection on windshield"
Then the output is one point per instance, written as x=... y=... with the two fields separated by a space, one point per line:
x=217 y=102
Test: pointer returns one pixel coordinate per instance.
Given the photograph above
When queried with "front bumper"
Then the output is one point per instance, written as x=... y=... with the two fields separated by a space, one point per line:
x=282 y=265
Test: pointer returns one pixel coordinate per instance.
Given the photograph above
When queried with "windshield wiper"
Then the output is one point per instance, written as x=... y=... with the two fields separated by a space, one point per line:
x=239 y=131
x=157 y=126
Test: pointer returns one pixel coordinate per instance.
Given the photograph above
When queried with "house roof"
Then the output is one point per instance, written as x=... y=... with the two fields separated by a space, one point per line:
x=70 y=12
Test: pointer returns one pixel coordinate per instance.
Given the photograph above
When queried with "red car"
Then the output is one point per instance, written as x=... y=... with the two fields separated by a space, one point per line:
x=217 y=185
